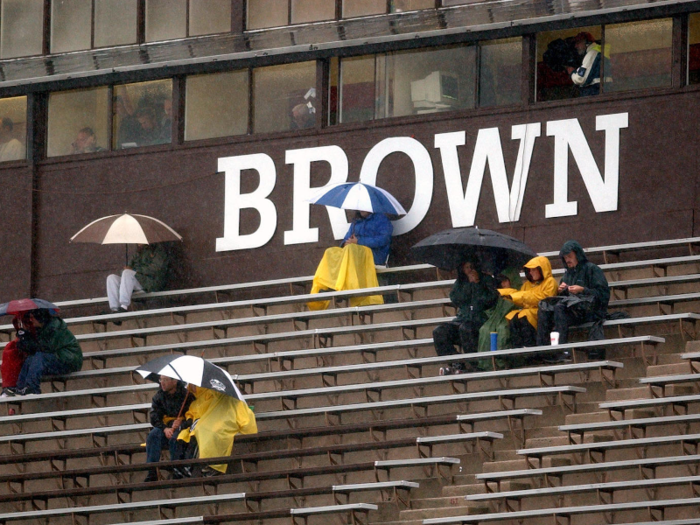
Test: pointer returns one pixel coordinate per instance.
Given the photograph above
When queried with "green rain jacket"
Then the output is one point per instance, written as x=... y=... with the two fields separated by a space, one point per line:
x=55 y=338
x=152 y=266
x=588 y=275
x=473 y=299
x=497 y=321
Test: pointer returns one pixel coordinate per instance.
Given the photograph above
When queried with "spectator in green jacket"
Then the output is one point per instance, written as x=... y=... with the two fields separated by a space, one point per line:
x=582 y=297
x=148 y=271
x=473 y=294
x=51 y=350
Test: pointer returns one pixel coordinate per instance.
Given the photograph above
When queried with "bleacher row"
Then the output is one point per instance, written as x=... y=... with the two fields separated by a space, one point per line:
x=356 y=424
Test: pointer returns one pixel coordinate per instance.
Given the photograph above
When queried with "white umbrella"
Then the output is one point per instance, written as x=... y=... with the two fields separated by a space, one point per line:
x=126 y=229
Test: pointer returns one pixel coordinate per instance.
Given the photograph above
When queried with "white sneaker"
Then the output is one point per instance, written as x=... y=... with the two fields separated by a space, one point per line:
x=446 y=371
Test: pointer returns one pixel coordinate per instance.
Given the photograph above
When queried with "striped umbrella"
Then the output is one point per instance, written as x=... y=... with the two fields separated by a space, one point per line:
x=358 y=196
x=193 y=370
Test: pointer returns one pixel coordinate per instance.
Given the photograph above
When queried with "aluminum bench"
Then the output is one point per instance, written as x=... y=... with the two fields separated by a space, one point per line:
x=654 y=507
x=600 y=448
x=553 y=476
x=605 y=490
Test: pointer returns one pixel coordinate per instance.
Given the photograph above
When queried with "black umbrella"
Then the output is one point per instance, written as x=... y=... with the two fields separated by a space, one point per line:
x=494 y=251
x=193 y=370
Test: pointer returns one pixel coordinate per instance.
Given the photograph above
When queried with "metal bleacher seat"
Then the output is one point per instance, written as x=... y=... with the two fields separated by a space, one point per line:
x=604 y=490
x=646 y=467
x=634 y=427
x=653 y=506
x=596 y=450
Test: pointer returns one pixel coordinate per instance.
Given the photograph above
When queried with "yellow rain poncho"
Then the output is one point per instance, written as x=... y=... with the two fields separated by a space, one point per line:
x=347 y=268
x=218 y=418
x=531 y=293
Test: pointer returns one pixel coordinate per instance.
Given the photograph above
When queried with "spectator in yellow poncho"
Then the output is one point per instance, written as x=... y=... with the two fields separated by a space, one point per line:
x=539 y=285
x=216 y=419
x=352 y=267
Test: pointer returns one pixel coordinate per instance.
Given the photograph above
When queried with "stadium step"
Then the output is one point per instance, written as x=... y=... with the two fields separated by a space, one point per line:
x=620 y=394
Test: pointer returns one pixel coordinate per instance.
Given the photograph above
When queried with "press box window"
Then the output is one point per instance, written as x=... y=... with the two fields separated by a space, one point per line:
x=556 y=51
x=284 y=97
x=13 y=129
x=142 y=114
x=500 y=66
x=171 y=19
x=640 y=55
x=78 y=122
x=216 y=105
x=694 y=49
x=405 y=83
x=72 y=23
x=274 y=13
x=21 y=28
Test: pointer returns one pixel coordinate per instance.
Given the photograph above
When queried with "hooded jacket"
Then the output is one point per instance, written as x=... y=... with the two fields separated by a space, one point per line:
x=152 y=266
x=531 y=293
x=55 y=338
x=473 y=299
x=588 y=275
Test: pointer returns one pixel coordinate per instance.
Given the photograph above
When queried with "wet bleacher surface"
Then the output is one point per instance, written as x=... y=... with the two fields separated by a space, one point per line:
x=356 y=425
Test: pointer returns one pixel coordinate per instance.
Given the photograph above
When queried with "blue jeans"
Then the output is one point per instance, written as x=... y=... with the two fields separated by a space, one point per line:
x=156 y=441
x=37 y=366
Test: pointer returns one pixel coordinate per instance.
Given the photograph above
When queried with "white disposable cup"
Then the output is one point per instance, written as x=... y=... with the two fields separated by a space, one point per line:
x=554 y=338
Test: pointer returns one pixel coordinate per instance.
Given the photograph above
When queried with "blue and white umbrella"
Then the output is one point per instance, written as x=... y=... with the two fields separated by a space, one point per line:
x=358 y=196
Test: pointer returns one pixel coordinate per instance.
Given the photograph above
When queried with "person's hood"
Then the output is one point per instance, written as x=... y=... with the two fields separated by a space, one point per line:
x=542 y=263
x=572 y=246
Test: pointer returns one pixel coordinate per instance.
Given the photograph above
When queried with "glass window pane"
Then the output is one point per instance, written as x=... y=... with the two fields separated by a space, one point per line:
x=640 y=55
x=312 y=10
x=363 y=7
x=283 y=97
x=556 y=51
x=216 y=105
x=71 y=25
x=398 y=6
x=78 y=121
x=210 y=16
x=357 y=77
x=13 y=128
x=22 y=28
x=115 y=22
x=165 y=19
x=428 y=81
x=143 y=114
x=694 y=49
x=267 y=13
x=499 y=72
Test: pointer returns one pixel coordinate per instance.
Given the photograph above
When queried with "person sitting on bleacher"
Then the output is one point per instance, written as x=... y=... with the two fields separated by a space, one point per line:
x=582 y=297
x=148 y=271
x=49 y=349
x=473 y=293
x=366 y=245
x=168 y=407
x=212 y=422
x=539 y=285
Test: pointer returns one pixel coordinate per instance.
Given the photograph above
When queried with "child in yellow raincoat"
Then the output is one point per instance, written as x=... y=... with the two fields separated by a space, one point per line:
x=539 y=284
x=216 y=419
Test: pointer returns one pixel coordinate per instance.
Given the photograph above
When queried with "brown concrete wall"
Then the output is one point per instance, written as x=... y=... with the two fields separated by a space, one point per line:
x=15 y=232
x=657 y=193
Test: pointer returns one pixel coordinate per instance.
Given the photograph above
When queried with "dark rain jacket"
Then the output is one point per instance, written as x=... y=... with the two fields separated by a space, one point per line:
x=166 y=407
x=588 y=275
x=473 y=299
x=152 y=266
x=55 y=338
